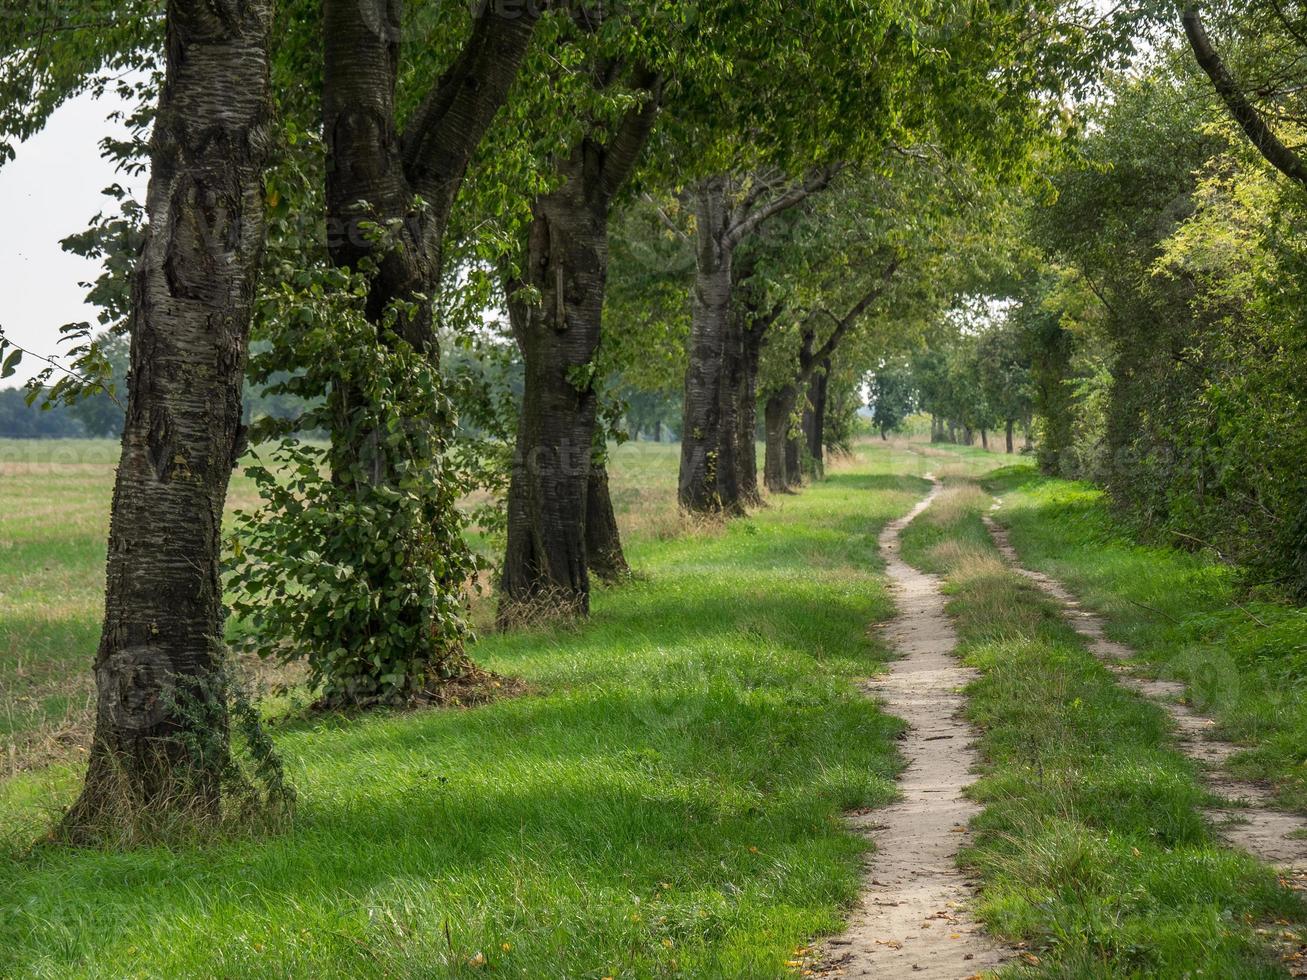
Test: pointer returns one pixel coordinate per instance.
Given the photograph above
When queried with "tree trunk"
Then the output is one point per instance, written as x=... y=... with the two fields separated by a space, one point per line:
x=603 y=542
x=729 y=393
x=365 y=173
x=700 y=481
x=546 y=564
x=746 y=452
x=984 y=438
x=374 y=171
x=658 y=431
x=711 y=468
x=968 y=435
x=1011 y=424
x=567 y=264
x=794 y=460
x=776 y=418
x=160 y=738
x=814 y=421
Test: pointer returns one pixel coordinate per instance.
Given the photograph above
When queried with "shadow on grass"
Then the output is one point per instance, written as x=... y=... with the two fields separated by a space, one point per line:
x=668 y=801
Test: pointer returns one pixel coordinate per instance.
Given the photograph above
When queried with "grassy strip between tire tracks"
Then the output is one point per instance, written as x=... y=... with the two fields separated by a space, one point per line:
x=1092 y=847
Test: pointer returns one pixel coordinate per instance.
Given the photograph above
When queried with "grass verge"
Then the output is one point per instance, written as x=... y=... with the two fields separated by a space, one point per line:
x=54 y=520
x=1092 y=847
x=667 y=803
x=1190 y=617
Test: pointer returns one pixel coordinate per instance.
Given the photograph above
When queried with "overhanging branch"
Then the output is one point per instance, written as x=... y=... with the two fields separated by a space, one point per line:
x=1245 y=113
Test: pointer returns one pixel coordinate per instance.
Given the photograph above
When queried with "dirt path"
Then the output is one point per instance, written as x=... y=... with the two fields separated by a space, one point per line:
x=1257 y=826
x=912 y=919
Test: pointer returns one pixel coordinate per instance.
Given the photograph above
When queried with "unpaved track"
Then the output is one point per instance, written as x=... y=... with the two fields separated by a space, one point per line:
x=912 y=919
x=1259 y=827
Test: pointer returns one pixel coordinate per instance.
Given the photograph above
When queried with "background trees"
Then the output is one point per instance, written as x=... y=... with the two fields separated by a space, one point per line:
x=1159 y=330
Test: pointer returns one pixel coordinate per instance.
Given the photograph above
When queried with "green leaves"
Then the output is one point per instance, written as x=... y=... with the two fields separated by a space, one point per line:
x=355 y=562
x=11 y=360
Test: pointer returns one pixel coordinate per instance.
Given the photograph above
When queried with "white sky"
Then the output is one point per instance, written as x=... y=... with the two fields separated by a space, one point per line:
x=49 y=191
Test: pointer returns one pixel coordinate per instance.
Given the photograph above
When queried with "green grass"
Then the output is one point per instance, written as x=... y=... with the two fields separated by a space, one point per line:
x=1244 y=659
x=1092 y=848
x=665 y=801
x=54 y=519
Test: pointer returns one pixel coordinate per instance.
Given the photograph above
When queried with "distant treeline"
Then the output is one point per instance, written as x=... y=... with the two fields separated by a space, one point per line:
x=96 y=418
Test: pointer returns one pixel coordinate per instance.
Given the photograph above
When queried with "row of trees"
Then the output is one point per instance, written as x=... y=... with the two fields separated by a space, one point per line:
x=973 y=377
x=1150 y=316
x=357 y=181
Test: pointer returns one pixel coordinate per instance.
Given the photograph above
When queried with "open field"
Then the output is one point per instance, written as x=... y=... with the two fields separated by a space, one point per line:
x=665 y=800
x=54 y=518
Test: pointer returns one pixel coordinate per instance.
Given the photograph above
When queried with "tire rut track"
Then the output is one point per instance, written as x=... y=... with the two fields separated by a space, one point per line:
x=1259 y=827
x=912 y=918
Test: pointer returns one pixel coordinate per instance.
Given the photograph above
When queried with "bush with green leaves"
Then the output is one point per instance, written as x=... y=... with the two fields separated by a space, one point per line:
x=356 y=560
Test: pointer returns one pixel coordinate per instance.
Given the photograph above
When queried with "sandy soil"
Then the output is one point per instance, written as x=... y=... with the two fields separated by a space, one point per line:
x=912 y=919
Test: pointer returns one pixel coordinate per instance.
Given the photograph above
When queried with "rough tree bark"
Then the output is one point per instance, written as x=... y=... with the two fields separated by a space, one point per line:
x=814 y=419
x=546 y=567
x=777 y=414
x=725 y=216
x=753 y=338
x=374 y=171
x=699 y=484
x=567 y=262
x=603 y=542
x=1011 y=425
x=794 y=459
x=160 y=732
x=751 y=325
